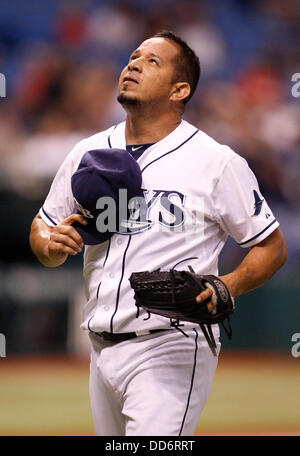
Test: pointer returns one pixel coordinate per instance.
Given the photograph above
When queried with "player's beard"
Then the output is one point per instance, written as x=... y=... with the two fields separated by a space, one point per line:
x=129 y=101
x=140 y=105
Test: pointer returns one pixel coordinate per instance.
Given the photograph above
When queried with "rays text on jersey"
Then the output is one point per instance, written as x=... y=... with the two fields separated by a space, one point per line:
x=160 y=210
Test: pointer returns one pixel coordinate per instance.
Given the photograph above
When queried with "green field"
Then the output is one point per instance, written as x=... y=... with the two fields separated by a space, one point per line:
x=258 y=395
x=251 y=395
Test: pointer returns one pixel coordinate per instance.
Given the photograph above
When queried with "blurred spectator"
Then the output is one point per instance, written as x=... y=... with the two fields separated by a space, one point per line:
x=40 y=84
x=203 y=36
x=70 y=27
x=114 y=27
x=31 y=170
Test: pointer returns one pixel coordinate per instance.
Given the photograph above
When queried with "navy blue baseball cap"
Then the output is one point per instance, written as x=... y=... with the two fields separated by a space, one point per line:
x=102 y=173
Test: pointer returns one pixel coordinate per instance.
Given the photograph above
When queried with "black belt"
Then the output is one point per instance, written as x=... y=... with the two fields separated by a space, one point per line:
x=119 y=337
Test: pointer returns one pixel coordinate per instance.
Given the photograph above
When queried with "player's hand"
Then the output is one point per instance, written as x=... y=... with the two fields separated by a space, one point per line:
x=207 y=293
x=204 y=295
x=64 y=238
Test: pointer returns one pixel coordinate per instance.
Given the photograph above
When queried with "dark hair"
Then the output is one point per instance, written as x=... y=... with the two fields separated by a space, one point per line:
x=187 y=65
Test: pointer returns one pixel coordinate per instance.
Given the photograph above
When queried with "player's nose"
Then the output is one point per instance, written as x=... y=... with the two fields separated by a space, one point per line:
x=135 y=65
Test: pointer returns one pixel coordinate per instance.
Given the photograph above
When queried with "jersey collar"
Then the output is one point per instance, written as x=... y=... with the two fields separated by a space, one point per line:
x=168 y=143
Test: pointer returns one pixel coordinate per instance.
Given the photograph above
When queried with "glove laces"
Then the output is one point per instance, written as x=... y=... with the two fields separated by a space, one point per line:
x=173 y=279
x=175 y=324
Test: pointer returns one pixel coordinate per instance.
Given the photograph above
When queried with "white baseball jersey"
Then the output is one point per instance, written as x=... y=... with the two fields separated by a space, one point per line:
x=197 y=193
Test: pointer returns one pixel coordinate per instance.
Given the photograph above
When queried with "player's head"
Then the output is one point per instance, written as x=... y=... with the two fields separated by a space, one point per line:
x=186 y=63
x=162 y=70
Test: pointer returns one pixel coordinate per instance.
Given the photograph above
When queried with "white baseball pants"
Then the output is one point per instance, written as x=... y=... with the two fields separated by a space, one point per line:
x=153 y=385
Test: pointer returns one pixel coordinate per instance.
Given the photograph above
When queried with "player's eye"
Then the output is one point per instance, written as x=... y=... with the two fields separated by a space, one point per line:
x=153 y=61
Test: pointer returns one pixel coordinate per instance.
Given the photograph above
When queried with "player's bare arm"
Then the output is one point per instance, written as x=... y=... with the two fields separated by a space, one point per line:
x=258 y=266
x=52 y=245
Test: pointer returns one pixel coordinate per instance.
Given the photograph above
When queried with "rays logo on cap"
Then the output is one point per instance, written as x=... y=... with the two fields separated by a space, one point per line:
x=85 y=212
x=102 y=185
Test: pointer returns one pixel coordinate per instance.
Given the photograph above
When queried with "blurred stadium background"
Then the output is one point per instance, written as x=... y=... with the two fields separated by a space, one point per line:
x=61 y=61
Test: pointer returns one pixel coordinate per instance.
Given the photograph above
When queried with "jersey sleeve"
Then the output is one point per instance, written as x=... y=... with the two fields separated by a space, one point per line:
x=59 y=203
x=239 y=207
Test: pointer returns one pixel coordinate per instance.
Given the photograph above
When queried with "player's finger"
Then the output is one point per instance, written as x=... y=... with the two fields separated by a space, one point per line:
x=205 y=294
x=69 y=230
x=66 y=240
x=58 y=248
x=74 y=218
x=210 y=307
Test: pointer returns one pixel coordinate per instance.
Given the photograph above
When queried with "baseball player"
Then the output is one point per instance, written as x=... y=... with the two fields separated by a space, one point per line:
x=148 y=377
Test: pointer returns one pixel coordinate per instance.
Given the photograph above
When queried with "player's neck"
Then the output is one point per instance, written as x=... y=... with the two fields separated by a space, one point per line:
x=144 y=130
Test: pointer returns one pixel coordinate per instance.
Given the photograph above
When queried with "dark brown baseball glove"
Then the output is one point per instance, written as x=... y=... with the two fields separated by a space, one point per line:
x=172 y=294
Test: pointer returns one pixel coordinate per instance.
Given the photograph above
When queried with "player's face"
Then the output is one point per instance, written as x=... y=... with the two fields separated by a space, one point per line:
x=148 y=77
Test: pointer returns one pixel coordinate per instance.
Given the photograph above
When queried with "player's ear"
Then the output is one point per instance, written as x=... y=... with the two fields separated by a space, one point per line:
x=180 y=91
